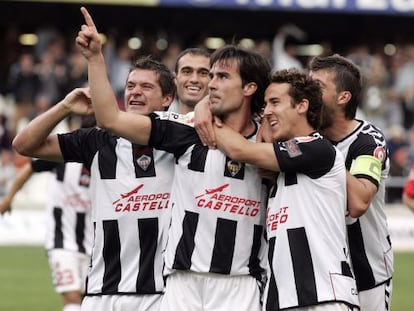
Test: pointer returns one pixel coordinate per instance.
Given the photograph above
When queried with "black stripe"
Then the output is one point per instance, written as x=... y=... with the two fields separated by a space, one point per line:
x=60 y=172
x=148 y=238
x=57 y=215
x=290 y=179
x=223 y=249
x=302 y=267
x=185 y=247
x=80 y=231
x=198 y=158
x=111 y=255
x=107 y=160
x=272 y=299
x=362 y=269
x=254 y=262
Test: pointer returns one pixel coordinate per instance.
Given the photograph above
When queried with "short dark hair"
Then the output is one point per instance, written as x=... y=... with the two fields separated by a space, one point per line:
x=302 y=86
x=192 y=51
x=165 y=76
x=253 y=67
x=347 y=78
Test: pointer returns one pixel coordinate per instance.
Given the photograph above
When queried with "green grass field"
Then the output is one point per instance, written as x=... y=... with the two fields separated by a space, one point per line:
x=25 y=281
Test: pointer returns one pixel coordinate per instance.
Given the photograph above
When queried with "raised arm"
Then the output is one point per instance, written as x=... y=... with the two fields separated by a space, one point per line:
x=238 y=148
x=133 y=127
x=35 y=139
x=22 y=177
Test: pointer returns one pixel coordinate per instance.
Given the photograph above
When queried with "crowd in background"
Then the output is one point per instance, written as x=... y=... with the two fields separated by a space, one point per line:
x=40 y=75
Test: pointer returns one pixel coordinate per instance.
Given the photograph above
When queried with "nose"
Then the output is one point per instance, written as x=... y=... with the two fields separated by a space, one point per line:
x=266 y=110
x=212 y=84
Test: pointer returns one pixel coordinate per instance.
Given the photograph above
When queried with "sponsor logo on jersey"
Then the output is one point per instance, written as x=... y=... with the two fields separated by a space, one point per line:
x=132 y=201
x=177 y=117
x=279 y=217
x=215 y=199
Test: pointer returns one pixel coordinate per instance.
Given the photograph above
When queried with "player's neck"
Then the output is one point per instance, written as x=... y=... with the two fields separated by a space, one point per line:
x=341 y=129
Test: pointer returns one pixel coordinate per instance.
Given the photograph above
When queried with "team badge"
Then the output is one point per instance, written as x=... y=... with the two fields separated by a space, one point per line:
x=144 y=162
x=379 y=153
x=233 y=167
x=292 y=148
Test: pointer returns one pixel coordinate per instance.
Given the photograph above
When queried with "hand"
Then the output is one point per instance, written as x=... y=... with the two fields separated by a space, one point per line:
x=79 y=101
x=203 y=123
x=264 y=134
x=88 y=37
x=5 y=206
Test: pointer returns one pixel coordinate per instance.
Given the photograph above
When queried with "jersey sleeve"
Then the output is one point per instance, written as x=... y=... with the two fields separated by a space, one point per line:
x=308 y=155
x=367 y=157
x=81 y=145
x=43 y=165
x=172 y=132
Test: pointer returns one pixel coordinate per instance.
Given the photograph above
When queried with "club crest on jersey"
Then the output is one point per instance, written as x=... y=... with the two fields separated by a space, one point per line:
x=380 y=153
x=144 y=162
x=292 y=148
x=233 y=167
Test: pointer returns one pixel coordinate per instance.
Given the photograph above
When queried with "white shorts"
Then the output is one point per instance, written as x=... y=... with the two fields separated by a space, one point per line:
x=190 y=291
x=69 y=270
x=377 y=298
x=121 y=303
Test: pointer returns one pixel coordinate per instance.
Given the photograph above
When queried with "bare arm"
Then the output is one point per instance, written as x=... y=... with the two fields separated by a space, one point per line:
x=133 y=127
x=360 y=192
x=240 y=149
x=22 y=177
x=35 y=139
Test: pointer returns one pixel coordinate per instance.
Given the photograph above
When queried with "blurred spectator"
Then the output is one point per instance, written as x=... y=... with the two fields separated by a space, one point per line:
x=7 y=168
x=374 y=81
x=24 y=83
x=408 y=191
x=284 y=47
x=118 y=60
x=403 y=87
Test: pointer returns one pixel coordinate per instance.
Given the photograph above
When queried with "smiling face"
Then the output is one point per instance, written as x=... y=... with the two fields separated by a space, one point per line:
x=143 y=93
x=226 y=90
x=192 y=79
x=280 y=113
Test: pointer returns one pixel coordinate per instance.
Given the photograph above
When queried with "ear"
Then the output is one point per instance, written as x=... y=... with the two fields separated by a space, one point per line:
x=175 y=78
x=303 y=106
x=344 y=97
x=167 y=100
x=249 y=88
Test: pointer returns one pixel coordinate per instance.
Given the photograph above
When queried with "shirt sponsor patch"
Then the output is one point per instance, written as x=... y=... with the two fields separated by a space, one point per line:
x=292 y=148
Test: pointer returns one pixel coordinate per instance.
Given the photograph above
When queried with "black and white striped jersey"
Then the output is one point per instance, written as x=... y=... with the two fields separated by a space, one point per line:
x=308 y=251
x=68 y=207
x=369 y=237
x=130 y=193
x=218 y=215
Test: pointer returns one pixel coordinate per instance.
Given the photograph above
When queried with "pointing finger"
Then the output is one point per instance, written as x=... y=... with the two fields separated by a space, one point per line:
x=88 y=18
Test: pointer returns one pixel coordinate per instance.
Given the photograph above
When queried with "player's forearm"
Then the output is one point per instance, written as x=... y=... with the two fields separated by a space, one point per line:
x=35 y=134
x=238 y=148
x=360 y=193
x=21 y=179
x=103 y=98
